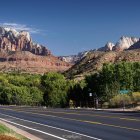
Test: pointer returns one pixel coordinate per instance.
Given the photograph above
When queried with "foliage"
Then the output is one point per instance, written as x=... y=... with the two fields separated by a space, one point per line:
x=55 y=86
x=107 y=83
x=52 y=89
x=119 y=100
x=113 y=78
x=136 y=97
x=20 y=89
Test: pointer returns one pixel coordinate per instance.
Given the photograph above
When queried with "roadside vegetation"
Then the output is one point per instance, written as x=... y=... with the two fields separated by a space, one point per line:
x=8 y=134
x=107 y=86
x=54 y=90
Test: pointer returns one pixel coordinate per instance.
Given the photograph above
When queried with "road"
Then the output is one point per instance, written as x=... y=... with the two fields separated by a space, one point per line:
x=67 y=124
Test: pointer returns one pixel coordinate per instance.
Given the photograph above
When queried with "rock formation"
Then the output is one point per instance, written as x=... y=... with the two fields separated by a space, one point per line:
x=19 y=53
x=72 y=59
x=108 y=47
x=11 y=40
x=125 y=43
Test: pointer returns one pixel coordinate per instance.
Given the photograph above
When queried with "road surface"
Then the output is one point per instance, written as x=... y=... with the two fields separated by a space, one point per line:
x=67 y=124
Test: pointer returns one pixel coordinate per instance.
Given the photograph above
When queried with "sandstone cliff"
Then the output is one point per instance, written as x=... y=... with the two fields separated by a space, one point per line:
x=19 y=53
x=12 y=40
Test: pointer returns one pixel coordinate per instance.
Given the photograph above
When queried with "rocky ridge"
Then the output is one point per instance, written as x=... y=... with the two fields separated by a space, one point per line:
x=124 y=43
x=12 y=40
x=94 y=61
x=19 y=53
x=72 y=59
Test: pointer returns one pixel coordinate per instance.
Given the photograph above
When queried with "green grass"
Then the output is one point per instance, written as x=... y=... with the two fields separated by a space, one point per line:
x=7 y=131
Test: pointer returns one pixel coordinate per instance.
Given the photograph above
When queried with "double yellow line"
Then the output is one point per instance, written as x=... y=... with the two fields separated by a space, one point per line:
x=93 y=115
x=78 y=120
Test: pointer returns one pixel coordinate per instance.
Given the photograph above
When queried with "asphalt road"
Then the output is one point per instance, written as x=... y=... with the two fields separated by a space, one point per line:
x=66 y=124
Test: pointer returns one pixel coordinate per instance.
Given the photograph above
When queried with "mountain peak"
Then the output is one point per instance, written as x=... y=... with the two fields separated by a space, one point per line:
x=109 y=46
x=13 y=40
x=125 y=43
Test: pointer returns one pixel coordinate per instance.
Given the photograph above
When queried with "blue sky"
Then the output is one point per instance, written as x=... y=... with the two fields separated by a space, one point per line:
x=71 y=26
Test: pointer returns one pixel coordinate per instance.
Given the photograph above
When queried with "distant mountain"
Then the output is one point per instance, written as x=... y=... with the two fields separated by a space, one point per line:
x=19 y=53
x=126 y=49
x=73 y=58
x=124 y=43
x=108 y=47
x=94 y=61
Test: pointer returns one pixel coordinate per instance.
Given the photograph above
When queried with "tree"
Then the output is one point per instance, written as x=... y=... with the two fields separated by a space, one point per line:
x=36 y=95
x=55 y=87
x=114 y=77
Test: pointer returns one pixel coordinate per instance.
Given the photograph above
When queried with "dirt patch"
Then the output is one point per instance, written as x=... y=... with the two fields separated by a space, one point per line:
x=5 y=137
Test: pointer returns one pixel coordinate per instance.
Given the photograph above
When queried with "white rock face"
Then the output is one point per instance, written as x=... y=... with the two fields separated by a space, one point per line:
x=15 y=33
x=24 y=33
x=69 y=59
x=108 y=47
x=125 y=43
x=73 y=58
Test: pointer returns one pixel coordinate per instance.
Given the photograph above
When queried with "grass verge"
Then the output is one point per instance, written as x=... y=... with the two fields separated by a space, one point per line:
x=8 y=134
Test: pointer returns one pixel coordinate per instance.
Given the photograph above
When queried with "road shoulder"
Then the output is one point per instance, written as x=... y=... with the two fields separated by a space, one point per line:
x=19 y=131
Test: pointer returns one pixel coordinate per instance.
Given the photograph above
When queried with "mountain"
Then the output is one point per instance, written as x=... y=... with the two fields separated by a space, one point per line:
x=12 y=40
x=19 y=53
x=108 y=47
x=94 y=61
x=126 y=49
x=135 y=46
x=72 y=59
x=124 y=43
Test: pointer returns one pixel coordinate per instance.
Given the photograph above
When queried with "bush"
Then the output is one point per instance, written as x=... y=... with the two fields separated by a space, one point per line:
x=136 y=97
x=117 y=101
x=105 y=105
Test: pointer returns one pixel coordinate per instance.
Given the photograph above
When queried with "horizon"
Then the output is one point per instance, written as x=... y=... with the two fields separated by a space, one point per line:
x=73 y=26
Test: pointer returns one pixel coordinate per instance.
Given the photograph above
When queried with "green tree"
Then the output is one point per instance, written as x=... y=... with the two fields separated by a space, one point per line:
x=55 y=86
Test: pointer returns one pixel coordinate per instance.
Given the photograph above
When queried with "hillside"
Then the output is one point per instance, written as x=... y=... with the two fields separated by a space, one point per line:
x=94 y=61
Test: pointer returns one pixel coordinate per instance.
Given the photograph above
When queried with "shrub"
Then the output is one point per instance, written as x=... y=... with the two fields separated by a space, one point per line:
x=136 y=97
x=105 y=105
x=117 y=101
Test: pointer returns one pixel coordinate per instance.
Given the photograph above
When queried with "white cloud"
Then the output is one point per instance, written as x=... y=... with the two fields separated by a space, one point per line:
x=20 y=27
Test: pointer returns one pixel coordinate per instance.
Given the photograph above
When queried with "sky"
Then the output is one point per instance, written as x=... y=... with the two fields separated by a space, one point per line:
x=67 y=27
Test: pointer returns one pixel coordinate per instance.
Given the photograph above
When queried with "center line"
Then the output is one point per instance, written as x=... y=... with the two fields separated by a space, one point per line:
x=54 y=127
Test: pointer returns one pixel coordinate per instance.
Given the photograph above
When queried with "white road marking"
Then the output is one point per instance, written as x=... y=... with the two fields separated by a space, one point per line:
x=33 y=129
x=53 y=127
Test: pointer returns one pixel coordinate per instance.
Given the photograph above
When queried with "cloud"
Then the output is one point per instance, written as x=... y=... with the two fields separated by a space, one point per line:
x=20 y=27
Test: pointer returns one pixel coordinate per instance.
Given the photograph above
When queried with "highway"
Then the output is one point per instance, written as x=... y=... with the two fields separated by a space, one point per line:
x=73 y=124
